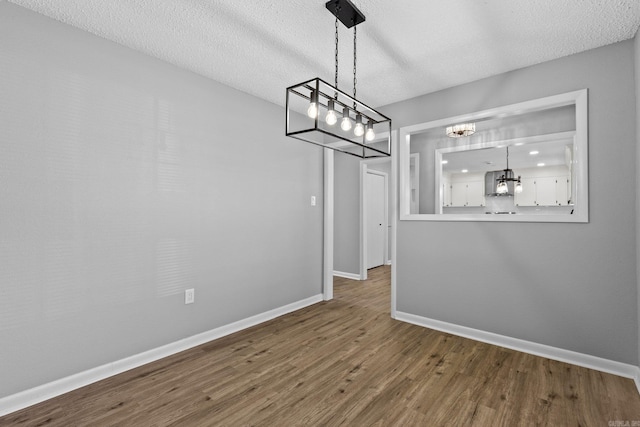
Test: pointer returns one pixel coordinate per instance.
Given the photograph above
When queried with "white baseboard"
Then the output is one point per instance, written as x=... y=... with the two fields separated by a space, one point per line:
x=352 y=276
x=555 y=353
x=43 y=392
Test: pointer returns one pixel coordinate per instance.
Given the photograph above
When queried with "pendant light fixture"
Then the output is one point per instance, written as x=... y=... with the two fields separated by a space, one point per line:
x=313 y=106
x=505 y=178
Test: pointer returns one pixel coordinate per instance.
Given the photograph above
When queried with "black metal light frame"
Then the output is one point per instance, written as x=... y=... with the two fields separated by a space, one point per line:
x=318 y=132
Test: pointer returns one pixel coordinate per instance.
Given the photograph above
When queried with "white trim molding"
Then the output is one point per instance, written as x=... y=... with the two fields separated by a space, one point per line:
x=352 y=276
x=363 y=219
x=55 y=388
x=394 y=220
x=327 y=265
x=580 y=160
x=542 y=350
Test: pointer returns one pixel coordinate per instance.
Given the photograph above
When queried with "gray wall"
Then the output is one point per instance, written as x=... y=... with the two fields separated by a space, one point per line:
x=346 y=217
x=571 y=286
x=125 y=180
x=346 y=257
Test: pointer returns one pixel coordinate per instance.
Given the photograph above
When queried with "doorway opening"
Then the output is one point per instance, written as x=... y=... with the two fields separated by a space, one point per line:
x=376 y=223
x=388 y=166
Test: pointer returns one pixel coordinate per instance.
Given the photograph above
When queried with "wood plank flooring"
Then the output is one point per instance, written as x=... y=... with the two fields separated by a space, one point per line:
x=345 y=362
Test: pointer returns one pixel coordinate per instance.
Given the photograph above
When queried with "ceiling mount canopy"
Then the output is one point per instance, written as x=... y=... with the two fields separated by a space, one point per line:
x=314 y=107
x=346 y=12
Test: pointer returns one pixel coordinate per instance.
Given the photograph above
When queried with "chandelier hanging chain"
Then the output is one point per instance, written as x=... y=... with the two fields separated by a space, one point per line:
x=355 y=80
x=336 y=77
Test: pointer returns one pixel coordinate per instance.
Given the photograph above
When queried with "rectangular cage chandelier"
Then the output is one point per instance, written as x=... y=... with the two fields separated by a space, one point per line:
x=320 y=113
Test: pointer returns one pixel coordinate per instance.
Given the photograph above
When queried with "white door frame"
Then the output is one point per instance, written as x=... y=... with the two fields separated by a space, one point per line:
x=328 y=221
x=394 y=219
x=364 y=170
x=327 y=264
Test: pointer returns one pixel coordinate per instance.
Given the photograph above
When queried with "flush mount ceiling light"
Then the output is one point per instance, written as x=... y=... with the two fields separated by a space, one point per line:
x=458 y=131
x=315 y=107
x=508 y=176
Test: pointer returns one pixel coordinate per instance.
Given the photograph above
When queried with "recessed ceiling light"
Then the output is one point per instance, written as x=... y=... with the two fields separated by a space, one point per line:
x=465 y=170
x=533 y=153
x=540 y=164
x=444 y=162
x=517 y=144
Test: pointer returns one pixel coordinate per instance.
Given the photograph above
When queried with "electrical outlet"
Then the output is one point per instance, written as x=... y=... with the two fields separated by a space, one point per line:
x=189 y=296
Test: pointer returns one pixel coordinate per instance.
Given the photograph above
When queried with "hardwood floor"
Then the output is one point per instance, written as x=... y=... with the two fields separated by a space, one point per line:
x=345 y=362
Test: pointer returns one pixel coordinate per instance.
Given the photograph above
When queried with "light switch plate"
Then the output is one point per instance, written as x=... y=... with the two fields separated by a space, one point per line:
x=313 y=200
x=189 y=296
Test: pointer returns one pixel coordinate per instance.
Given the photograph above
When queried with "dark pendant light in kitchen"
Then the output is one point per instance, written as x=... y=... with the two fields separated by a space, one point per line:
x=508 y=176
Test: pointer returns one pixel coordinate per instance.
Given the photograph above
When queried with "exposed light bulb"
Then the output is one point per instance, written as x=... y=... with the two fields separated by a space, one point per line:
x=345 y=124
x=518 y=187
x=359 y=129
x=312 y=111
x=331 y=118
x=502 y=187
x=370 y=134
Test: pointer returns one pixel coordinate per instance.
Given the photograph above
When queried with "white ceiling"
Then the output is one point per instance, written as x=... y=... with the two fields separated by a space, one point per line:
x=405 y=48
x=550 y=153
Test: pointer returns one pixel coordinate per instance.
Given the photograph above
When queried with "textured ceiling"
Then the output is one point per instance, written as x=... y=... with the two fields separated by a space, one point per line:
x=405 y=48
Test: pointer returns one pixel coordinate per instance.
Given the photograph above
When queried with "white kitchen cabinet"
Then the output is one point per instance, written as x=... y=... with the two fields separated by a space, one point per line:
x=467 y=193
x=528 y=195
x=458 y=194
x=414 y=180
x=475 y=193
x=544 y=191
x=562 y=191
x=446 y=193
